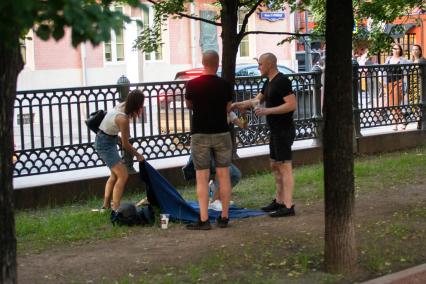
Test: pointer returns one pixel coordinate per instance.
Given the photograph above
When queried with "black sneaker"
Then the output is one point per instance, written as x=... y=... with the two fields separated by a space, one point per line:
x=274 y=206
x=222 y=222
x=283 y=211
x=199 y=225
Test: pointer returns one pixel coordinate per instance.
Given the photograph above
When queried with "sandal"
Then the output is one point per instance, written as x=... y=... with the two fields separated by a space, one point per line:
x=395 y=128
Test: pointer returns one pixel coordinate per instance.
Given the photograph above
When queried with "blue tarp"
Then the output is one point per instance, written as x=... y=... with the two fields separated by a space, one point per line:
x=162 y=194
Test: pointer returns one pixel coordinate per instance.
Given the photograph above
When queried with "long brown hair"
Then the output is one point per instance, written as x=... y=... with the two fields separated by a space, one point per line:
x=401 y=52
x=134 y=103
x=420 y=48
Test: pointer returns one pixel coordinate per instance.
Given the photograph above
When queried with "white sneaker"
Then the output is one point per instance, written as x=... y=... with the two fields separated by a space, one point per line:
x=216 y=205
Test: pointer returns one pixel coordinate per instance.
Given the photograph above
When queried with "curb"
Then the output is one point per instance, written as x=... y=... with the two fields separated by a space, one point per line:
x=413 y=275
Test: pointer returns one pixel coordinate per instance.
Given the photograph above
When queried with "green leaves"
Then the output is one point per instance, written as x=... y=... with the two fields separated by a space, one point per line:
x=88 y=19
x=376 y=12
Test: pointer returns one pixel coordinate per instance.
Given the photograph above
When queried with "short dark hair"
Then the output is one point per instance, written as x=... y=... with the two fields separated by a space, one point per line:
x=134 y=102
x=401 y=52
x=420 y=48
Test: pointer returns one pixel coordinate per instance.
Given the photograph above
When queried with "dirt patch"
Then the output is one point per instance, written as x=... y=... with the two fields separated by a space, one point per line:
x=150 y=250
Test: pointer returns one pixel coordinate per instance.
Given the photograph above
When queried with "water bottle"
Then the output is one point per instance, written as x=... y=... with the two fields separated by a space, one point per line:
x=211 y=190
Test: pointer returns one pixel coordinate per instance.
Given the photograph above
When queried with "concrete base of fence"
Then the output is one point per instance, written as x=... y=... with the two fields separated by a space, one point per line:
x=413 y=275
x=372 y=144
x=56 y=194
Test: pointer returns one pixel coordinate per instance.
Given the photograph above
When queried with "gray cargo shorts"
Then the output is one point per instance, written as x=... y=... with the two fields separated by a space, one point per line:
x=204 y=145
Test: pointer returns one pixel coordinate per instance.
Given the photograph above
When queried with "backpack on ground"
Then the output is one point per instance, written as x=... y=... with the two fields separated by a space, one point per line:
x=127 y=214
x=94 y=120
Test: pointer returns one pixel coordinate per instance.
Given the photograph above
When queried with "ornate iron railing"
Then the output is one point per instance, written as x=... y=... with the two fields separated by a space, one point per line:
x=50 y=134
x=389 y=94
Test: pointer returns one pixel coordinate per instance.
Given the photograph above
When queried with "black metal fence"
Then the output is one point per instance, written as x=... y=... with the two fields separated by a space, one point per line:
x=51 y=136
x=389 y=95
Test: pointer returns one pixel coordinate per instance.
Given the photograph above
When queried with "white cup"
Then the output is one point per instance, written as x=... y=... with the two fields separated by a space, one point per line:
x=164 y=219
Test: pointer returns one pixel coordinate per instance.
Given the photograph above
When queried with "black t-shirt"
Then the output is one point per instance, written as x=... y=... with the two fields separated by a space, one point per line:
x=274 y=92
x=209 y=95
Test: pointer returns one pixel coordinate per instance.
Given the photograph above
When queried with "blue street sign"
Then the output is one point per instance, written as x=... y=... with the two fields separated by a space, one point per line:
x=272 y=16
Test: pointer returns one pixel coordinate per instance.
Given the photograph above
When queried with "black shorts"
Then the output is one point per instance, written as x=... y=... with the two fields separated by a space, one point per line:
x=280 y=144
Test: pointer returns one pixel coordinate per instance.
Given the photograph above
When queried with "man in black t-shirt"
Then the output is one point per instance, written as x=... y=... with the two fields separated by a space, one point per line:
x=280 y=103
x=210 y=98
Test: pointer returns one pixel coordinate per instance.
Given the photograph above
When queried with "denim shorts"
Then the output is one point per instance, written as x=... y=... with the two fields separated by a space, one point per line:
x=106 y=147
x=204 y=145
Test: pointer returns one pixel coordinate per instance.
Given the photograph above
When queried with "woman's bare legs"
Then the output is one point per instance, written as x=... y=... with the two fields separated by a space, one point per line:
x=120 y=172
x=109 y=186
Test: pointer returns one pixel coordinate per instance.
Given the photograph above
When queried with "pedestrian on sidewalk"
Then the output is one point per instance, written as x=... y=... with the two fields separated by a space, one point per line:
x=395 y=85
x=117 y=121
x=280 y=103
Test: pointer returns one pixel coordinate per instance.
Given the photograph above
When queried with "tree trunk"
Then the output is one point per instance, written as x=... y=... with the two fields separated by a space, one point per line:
x=230 y=42
x=10 y=66
x=340 y=250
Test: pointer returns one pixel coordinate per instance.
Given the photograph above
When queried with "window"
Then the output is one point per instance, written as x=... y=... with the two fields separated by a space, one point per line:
x=244 y=50
x=114 y=48
x=23 y=50
x=147 y=19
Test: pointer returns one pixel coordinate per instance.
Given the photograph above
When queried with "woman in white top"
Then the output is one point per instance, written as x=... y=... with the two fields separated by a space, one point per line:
x=117 y=121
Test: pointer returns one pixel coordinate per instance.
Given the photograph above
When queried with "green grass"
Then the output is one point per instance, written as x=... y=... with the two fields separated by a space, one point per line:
x=37 y=229
x=384 y=245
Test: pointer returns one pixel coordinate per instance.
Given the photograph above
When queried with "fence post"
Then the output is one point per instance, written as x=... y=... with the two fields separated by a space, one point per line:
x=318 y=104
x=123 y=89
x=422 y=124
x=355 y=107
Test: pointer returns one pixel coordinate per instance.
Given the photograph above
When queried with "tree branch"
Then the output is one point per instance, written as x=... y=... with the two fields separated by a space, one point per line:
x=242 y=4
x=278 y=33
x=190 y=16
x=245 y=21
x=199 y=19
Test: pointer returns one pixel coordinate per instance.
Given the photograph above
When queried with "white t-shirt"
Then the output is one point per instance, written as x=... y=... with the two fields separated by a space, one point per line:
x=108 y=124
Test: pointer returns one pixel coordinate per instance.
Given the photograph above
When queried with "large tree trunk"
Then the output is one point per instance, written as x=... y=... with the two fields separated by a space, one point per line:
x=230 y=45
x=10 y=66
x=340 y=250
x=230 y=42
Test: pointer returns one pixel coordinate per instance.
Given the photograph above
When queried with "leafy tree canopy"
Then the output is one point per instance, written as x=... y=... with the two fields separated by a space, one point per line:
x=90 y=20
x=150 y=38
x=371 y=16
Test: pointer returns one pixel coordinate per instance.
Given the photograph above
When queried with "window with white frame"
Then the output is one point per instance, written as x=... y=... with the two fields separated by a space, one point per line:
x=23 y=48
x=114 y=48
x=147 y=19
x=244 y=50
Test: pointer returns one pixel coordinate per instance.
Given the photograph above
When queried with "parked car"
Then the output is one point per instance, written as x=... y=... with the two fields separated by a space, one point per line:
x=245 y=88
x=173 y=97
x=241 y=70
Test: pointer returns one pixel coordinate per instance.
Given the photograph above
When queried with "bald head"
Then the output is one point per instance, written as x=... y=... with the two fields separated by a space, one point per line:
x=210 y=60
x=269 y=58
x=268 y=64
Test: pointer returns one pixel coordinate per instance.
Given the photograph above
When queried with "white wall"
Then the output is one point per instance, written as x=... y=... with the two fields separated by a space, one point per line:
x=68 y=78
